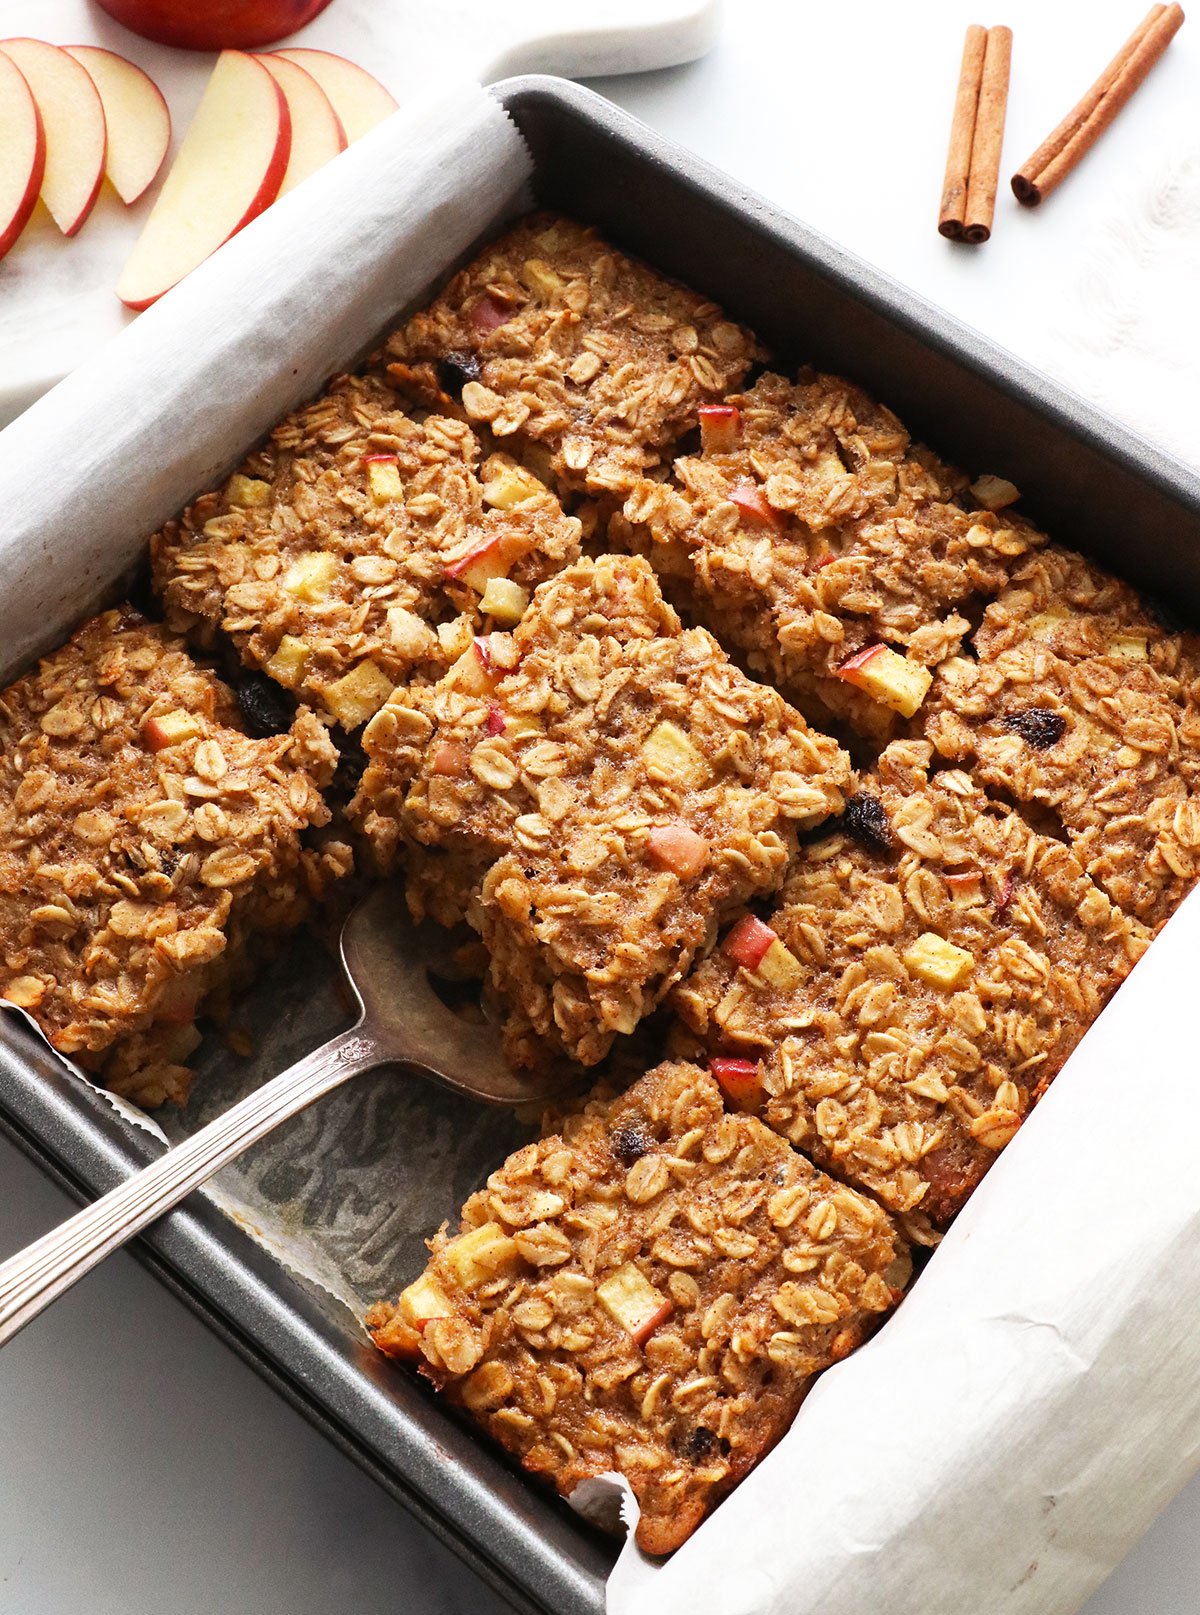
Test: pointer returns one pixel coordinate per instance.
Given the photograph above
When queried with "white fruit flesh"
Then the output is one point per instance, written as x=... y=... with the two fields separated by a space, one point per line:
x=358 y=695
x=317 y=133
x=668 y=752
x=22 y=153
x=359 y=100
x=228 y=169
x=73 y=124
x=632 y=1301
x=482 y=1254
x=138 y=122
x=938 y=962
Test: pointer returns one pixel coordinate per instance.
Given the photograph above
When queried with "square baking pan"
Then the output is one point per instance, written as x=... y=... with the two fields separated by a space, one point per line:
x=1090 y=482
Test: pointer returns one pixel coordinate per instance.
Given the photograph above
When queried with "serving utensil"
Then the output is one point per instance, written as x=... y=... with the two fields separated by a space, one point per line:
x=402 y=1022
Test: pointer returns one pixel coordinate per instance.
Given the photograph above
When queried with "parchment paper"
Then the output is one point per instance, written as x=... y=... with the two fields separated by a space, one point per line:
x=1036 y=1399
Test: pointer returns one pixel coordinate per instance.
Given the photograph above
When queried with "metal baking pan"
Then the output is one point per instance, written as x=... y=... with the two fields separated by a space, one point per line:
x=1088 y=480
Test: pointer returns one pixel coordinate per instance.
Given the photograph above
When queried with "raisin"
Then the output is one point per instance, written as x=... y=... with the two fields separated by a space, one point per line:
x=699 y=1443
x=352 y=761
x=266 y=709
x=630 y=1143
x=455 y=370
x=867 y=821
x=1037 y=726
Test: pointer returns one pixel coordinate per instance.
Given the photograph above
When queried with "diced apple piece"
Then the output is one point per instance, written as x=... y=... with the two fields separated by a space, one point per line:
x=489 y=314
x=780 y=966
x=423 y=1301
x=506 y=485
x=359 y=100
x=966 y=888
x=633 y=1303
x=482 y=1254
x=383 y=478
x=72 y=118
x=938 y=962
x=358 y=694
x=248 y=492
x=888 y=678
x=678 y=848
x=310 y=575
x=753 y=506
x=504 y=600
x=720 y=428
x=994 y=493
x=170 y=729
x=317 y=133
x=286 y=665
x=668 y=752
x=473 y=672
x=1045 y=624
x=479 y=566
x=739 y=1080
x=410 y=634
x=227 y=170
x=451 y=760
x=137 y=119
x=746 y=943
x=1129 y=647
x=496 y=721
x=22 y=153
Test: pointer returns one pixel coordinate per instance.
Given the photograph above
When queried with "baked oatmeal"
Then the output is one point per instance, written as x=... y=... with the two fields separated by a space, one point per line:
x=596 y=789
x=359 y=548
x=553 y=338
x=931 y=966
x=143 y=839
x=649 y=1292
x=825 y=546
x=1080 y=701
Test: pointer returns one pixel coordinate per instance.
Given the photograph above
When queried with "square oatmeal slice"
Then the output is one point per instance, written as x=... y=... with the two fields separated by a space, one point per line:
x=930 y=967
x=595 y=790
x=651 y=1292
x=832 y=552
x=1079 y=700
x=554 y=338
x=144 y=839
x=359 y=548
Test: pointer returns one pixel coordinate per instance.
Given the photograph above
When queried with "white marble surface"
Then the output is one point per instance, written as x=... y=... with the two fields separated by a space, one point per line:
x=122 y=1491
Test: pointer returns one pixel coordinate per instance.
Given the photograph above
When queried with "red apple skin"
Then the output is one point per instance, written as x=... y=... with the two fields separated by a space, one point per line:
x=748 y=941
x=857 y=662
x=21 y=109
x=92 y=57
x=645 y=1329
x=41 y=47
x=738 y=1080
x=214 y=24
x=752 y=503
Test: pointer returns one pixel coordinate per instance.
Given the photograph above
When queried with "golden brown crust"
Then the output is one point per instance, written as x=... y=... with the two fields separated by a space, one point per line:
x=128 y=873
x=949 y=961
x=595 y=356
x=765 y=1272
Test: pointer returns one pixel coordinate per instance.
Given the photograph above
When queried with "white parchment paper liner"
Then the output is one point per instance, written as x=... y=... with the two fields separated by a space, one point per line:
x=1036 y=1400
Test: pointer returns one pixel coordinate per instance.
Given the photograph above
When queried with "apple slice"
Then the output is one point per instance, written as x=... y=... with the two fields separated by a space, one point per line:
x=22 y=153
x=73 y=124
x=228 y=169
x=317 y=133
x=359 y=101
x=139 y=124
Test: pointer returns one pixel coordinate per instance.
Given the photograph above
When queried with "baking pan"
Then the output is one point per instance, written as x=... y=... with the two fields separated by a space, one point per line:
x=1088 y=480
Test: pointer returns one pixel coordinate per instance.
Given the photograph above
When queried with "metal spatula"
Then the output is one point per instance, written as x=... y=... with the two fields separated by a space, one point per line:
x=402 y=1022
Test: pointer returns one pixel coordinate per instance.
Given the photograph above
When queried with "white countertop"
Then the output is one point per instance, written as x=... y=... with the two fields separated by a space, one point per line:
x=122 y=1492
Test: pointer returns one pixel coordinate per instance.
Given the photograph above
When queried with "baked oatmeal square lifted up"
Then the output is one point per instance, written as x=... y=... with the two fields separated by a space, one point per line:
x=595 y=790
x=587 y=361
x=144 y=840
x=360 y=548
x=932 y=963
x=652 y=1292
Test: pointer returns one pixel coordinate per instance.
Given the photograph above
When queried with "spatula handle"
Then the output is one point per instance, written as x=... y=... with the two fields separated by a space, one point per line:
x=38 y=1275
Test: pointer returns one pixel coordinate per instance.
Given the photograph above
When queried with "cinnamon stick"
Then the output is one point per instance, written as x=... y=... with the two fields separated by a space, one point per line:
x=1075 y=136
x=989 y=136
x=962 y=133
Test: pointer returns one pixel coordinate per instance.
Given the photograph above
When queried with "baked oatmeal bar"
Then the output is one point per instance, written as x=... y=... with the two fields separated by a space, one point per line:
x=825 y=546
x=554 y=338
x=600 y=788
x=359 y=548
x=143 y=839
x=1081 y=702
x=650 y=1292
x=931 y=966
